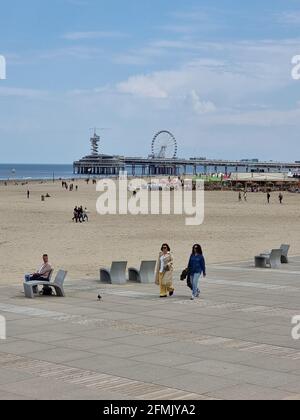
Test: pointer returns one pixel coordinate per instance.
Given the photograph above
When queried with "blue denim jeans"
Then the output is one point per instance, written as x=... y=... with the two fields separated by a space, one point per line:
x=30 y=277
x=195 y=283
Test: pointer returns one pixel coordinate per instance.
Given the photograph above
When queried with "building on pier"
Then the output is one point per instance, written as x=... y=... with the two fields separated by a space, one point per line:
x=98 y=164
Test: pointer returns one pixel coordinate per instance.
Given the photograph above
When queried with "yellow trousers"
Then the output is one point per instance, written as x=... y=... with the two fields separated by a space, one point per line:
x=164 y=290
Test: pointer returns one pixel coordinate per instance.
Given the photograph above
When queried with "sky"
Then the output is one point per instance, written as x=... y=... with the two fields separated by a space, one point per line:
x=216 y=73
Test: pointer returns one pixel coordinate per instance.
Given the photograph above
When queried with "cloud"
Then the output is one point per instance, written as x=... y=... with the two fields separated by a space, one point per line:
x=268 y=118
x=180 y=29
x=142 y=86
x=78 y=36
x=199 y=106
x=230 y=81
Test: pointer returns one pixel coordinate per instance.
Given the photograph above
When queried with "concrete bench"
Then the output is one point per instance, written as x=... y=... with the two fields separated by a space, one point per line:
x=272 y=259
x=144 y=275
x=284 y=253
x=58 y=285
x=260 y=262
x=116 y=274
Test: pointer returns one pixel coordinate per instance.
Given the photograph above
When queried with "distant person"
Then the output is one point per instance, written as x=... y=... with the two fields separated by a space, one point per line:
x=85 y=215
x=196 y=268
x=164 y=272
x=76 y=187
x=42 y=274
x=80 y=213
x=245 y=196
x=240 y=197
x=28 y=194
x=75 y=215
x=280 y=198
x=268 y=197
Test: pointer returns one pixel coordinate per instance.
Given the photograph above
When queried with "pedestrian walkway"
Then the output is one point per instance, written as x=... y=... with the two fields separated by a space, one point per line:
x=235 y=342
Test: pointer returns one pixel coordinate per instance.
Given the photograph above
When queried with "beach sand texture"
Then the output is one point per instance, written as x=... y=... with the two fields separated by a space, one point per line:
x=231 y=231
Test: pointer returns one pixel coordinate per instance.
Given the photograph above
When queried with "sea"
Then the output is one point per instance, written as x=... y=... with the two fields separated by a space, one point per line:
x=32 y=172
x=26 y=172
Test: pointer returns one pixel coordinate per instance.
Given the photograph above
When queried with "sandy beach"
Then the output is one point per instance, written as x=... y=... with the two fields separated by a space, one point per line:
x=232 y=231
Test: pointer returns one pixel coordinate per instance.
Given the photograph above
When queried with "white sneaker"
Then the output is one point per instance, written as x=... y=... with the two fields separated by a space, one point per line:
x=193 y=297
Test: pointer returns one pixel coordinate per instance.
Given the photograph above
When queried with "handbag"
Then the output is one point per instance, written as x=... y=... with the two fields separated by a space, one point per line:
x=184 y=274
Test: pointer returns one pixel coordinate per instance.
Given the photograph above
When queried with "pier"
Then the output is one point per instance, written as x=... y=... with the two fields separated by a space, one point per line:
x=164 y=161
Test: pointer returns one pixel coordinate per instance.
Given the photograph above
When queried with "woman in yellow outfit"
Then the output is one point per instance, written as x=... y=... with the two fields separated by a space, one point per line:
x=164 y=272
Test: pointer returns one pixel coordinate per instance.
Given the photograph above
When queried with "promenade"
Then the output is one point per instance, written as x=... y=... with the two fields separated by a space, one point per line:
x=235 y=342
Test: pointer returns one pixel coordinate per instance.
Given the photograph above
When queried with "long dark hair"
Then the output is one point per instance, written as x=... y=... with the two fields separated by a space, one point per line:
x=198 y=248
x=165 y=245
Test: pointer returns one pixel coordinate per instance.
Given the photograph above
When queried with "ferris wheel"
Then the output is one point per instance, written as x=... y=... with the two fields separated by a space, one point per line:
x=164 y=145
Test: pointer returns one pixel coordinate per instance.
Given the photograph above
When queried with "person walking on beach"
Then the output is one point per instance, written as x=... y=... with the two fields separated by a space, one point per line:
x=268 y=197
x=164 y=272
x=280 y=198
x=245 y=195
x=75 y=214
x=240 y=197
x=85 y=215
x=28 y=194
x=196 y=267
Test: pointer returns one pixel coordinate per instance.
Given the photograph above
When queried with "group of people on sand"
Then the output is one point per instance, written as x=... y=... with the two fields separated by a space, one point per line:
x=165 y=269
x=94 y=181
x=80 y=215
x=280 y=197
x=70 y=187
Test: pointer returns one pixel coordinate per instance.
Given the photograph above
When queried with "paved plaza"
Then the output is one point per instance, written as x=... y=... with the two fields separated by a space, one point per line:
x=235 y=342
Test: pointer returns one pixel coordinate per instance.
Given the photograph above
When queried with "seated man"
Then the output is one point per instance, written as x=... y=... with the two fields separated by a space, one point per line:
x=42 y=274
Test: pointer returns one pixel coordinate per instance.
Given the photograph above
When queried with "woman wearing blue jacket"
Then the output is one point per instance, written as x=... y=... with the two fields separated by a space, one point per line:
x=196 y=268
